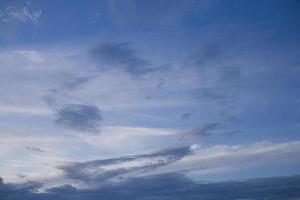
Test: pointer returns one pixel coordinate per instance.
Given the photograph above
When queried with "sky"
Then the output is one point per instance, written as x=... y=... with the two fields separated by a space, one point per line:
x=149 y=99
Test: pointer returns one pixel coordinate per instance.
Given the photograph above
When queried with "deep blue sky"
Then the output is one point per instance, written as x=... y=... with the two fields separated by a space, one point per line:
x=101 y=96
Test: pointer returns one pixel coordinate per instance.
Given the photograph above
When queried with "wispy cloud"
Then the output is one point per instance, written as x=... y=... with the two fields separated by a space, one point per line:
x=118 y=88
x=224 y=157
x=34 y=149
x=101 y=171
x=200 y=131
x=147 y=99
x=25 y=14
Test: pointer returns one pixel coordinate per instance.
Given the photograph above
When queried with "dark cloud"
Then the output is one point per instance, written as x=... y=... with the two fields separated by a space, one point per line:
x=75 y=82
x=79 y=117
x=201 y=131
x=205 y=130
x=102 y=171
x=34 y=149
x=120 y=55
x=21 y=175
x=186 y=116
x=229 y=73
x=70 y=83
x=50 y=99
x=198 y=132
x=19 y=191
x=161 y=82
x=176 y=186
x=148 y=97
x=166 y=187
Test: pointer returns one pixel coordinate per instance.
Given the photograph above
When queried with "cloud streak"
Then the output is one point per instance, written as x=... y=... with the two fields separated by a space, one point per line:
x=227 y=158
x=199 y=132
x=115 y=169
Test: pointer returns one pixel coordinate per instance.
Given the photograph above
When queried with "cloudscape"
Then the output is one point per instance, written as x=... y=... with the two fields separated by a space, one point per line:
x=149 y=100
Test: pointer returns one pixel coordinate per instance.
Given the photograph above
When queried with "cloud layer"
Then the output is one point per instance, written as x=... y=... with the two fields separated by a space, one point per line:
x=170 y=186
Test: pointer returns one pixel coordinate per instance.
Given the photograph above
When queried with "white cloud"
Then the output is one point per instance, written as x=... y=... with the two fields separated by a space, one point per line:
x=121 y=140
x=225 y=157
x=22 y=14
x=18 y=152
x=17 y=158
x=28 y=75
x=31 y=55
x=23 y=110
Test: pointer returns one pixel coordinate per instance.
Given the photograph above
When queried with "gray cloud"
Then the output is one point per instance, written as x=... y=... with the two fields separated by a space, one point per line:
x=75 y=82
x=121 y=55
x=34 y=149
x=21 y=176
x=161 y=82
x=50 y=98
x=104 y=170
x=186 y=116
x=18 y=191
x=164 y=187
x=71 y=83
x=201 y=131
x=79 y=117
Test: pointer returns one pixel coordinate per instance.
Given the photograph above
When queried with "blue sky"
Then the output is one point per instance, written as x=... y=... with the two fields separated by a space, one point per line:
x=101 y=96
